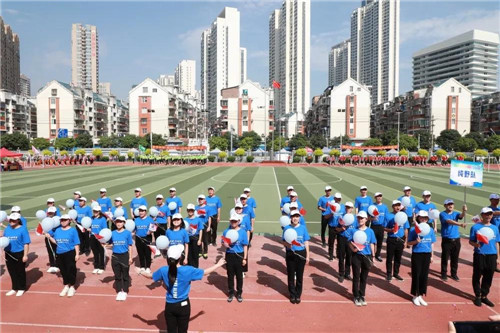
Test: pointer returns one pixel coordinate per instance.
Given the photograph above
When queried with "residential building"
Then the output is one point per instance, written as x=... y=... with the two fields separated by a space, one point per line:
x=243 y=52
x=375 y=48
x=10 y=69
x=443 y=106
x=25 y=85
x=289 y=62
x=471 y=58
x=486 y=114
x=17 y=114
x=339 y=63
x=166 y=80
x=105 y=88
x=85 y=56
x=185 y=76
x=205 y=36
x=341 y=110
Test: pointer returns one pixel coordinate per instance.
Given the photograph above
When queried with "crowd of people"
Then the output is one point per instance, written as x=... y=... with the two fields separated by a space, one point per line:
x=173 y=160
x=358 y=228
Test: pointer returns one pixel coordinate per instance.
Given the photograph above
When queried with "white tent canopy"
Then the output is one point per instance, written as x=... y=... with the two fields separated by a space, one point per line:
x=326 y=150
x=392 y=152
x=215 y=151
x=346 y=152
x=369 y=152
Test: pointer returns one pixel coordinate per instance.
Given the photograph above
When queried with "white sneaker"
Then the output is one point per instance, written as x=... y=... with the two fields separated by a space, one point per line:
x=10 y=293
x=422 y=302
x=124 y=296
x=148 y=270
x=50 y=269
x=95 y=271
x=119 y=296
x=56 y=270
x=142 y=269
x=64 y=291
x=243 y=275
x=100 y=271
x=20 y=293
x=416 y=300
x=71 y=292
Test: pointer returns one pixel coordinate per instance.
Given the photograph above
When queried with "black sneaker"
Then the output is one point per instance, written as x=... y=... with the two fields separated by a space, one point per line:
x=239 y=298
x=444 y=277
x=292 y=299
x=477 y=301
x=230 y=298
x=297 y=300
x=341 y=278
x=379 y=259
x=399 y=278
x=348 y=277
x=323 y=245
x=388 y=277
x=455 y=277
x=487 y=302
x=330 y=258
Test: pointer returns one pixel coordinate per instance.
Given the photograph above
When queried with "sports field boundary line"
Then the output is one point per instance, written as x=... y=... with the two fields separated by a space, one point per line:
x=277 y=185
x=76 y=327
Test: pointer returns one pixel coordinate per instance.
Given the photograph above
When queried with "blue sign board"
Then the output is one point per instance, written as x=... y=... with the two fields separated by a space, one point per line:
x=62 y=133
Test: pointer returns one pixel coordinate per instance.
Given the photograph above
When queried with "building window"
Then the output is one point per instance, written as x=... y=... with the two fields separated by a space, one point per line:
x=144 y=110
x=351 y=131
x=145 y=90
x=144 y=121
x=351 y=88
x=144 y=131
x=144 y=99
x=53 y=132
x=452 y=89
x=351 y=120
x=53 y=112
x=245 y=123
x=453 y=121
x=454 y=99
x=52 y=101
x=155 y=90
x=359 y=89
x=223 y=102
x=53 y=121
x=245 y=101
x=54 y=92
x=459 y=90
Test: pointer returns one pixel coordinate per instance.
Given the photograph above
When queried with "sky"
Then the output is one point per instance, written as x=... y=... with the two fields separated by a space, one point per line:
x=146 y=39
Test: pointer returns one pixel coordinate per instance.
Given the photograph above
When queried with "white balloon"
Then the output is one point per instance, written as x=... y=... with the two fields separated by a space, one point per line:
x=47 y=224
x=286 y=208
x=57 y=221
x=232 y=235
x=290 y=235
x=406 y=201
x=372 y=210
x=434 y=214
x=73 y=214
x=86 y=222
x=424 y=229
x=70 y=203
x=162 y=242
x=130 y=225
x=284 y=221
x=119 y=212
x=94 y=204
x=136 y=212
x=348 y=219
x=40 y=214
x=487 y=232
x=105 y=234
x=3 y=215
x=400 y=218
x=4 y=242
x=232 y=212
x=360 y=237
x=172 y=206
x=153 y=211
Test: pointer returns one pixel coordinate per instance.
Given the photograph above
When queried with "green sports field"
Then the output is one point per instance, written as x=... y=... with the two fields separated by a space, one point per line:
x=30 y=189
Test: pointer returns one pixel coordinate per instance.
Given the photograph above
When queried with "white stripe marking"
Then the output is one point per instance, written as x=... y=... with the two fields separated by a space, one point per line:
x=277 y=186
x=101 y=328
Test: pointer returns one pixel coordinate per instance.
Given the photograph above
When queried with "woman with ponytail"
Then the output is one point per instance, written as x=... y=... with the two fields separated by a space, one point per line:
x=178 y=279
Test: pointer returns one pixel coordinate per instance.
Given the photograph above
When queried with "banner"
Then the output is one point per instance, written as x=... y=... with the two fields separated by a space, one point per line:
x=464 y=173
x=180 y=148
x=370 y=147
x=142 y=149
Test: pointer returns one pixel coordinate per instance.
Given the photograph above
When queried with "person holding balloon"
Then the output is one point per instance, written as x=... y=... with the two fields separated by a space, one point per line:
x=137 y=201
x=362 y=243
x=176 y=234
x=118 y=210
x=174 y=198
x=428 y=206
x=15 y=241
x=250 y=200
x=76 y=198
x=409 y=203
x=104 y=201
x=322 y=207
x=51 y=248
x=202 y=210
x=286 y=199
x=195 y=231
x=397 y=232
x=177 y=279
x=162 y=216
x=82 y=211
x=334 y=212
x=143 y=238
x=378 y=214
x=68 y=244
x=421 y=237
x=296 y=241
x=347 y=223
x=98 y=223
x=485 y=238
x=236 y=241
x=52 y=203
x=17 y=209
x=121 y=259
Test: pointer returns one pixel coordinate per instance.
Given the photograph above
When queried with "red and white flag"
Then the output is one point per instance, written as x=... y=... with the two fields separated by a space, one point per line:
x=294 y=242
x=303 y=211
x=396 y=228
x=360 y=247
x=417 y=229
x=153 y=227
x=154 y=250
x=482 y=238
x=276 y=84
x=97 y=236
x=79 y=226
x=193 y=226
x=375 y=212
x=35 y=151
x=226 y=240
x=202 y=212
x=39 y=230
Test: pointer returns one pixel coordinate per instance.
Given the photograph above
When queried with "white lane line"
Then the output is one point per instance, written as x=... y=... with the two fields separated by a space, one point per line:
x=100 y=328
x=277 y=186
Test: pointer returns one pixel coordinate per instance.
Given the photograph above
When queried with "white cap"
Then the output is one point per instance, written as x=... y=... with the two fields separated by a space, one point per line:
x=190 y=206
x=246 y=189
x=423 y=213
x=235 y=217
x=337 y=195
x=448 y=201
x=176 y=216
x=172 y=189
x=15 y=209
x=138 y=189
x=142 y=207
x=486 y=210
x=244 y=196
x=289 y=188
x=211 y=188
x=175 y=251
x=51 y=210
x=103 y=190
x=119 y=199
x=295 y=212
x=349 y=204
x=293 y=194
x=201 y=196
x=65 y=217
x=396 y=202
x=15 y=216
x=362 y=214
x=494 y=196
x=426 y=192
x=83 y=199
x=238 y=205
x=328 y=188
x=159 y=196
x=363 y=188
x=51 y=200
x=377 y=194
x=120 y=218
x=293 y=205
x=77 y=192
x=96 y=208
x=407 y=188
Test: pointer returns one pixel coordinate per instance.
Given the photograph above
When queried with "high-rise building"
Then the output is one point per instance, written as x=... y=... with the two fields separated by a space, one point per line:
x=17 y=114
x=243 y=51
x=375 y=48
x=289 y=63
x=105 y=88
x=185 y=76
x=223 y=58
x=471 y=58
x=166 y=80
x=205 y=35
x=339 y=63
x=25 y=84
x=85 y=56
x=10 y=69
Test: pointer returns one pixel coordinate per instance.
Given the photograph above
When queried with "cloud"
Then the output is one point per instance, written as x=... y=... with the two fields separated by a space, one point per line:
x=322 y=43
x=190 y=42
x=11 y=11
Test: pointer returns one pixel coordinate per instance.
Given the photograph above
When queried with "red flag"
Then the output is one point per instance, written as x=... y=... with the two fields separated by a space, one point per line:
x=303 y=211
x=39 y=230
x=360 y=247
x=225 y=239
x=79 y=226
x=276 y=84
x=201 y=212
x=333 y=207
x=97 y=236
x=294 y=242
x=417 y=229
x=396 y=227
x=193 y=226
x=482 y=238
x=375 y=212
x=154 y=250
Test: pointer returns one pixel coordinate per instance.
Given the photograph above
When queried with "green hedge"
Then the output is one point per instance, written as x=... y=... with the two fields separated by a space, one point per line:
x=121 y=158
x=231 y=159
x=211 y=158
x=250 y=158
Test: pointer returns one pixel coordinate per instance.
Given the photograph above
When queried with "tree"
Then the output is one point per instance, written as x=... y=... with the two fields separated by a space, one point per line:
x=447 y=139
x=405 y=142
x=317 y=141
x=425 y=139
x=496 y=152
x=336 y=141
x=476 y=136
x=373 y=142
x=423 y=152
x=158 y=140
x=493 y=142
x=301 y=152
x=109 y=141
x=440 y=152
x=403 y=152
x=381 y=153
x=84 y=140
x=466 y=144
x=129 y=141
x=80 y=152
x=236 y=141
x=299 y=140
x=251 y=138
x=222 y=155
x=240 y=152
x=480 y=153
x=64 y=143
x=218 y=142
x=40 y=143
x=356 y=152
x=388 y=136
x=97 y=152
x=15 y=141
x=114 y=153
x=143 y=141
x=335 y=152
x=277 y=144
x=46 y=152
x=248 y=143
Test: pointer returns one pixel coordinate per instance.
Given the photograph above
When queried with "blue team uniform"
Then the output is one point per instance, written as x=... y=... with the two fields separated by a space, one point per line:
x=238 y=246
x=213 y=203
x=381 y=219
x=362 y=204
x=370 y=239
x=105 y=204
x=18 y=237
x=178 y=202
x=121 y=241
x=66 y=239
x=182 y=285
x=410 y=209
x=449 y=230
x=177 y=237
x=302 y=237
x=82 y=212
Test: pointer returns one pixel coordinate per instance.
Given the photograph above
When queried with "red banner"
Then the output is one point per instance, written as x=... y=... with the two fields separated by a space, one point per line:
x=179 y=148
x=369 y=147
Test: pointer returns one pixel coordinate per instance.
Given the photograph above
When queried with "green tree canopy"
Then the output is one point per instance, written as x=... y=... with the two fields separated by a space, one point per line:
x=15 y=141
x=249 y=143
x=158 y=140
x=425 y=139
x=336 y=141
x=405 y=142
x=64 y=143
x=466 y=144
x=218 y=142
x=299 y=140
x=277 y=144
x=447 y=139
x=40 y=143
x=388 y=136
x=251 y=138
x=84 y=140
x=373 y=142
x=109 y=141
x=317 y=141
x=236 y=141
x=493 y=142
x=476 y=136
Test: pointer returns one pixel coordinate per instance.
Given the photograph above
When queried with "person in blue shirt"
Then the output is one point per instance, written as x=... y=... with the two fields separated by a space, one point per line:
x=51 y=248
x=83 y=210
x=297 y=256
x=378 y=224
x=203 y=211
x=427 y=205
x=174 y=198
x=363 y=201
x=322 y=206
x=163 y=217
x=396 y=242
x=294 y=206
x=16 y=253
x=121 y=241
x=494 y=201
x=177 y=280
x=118 y=204
x=344 y=252
x=17 y=209
x=176 y=234
x=236 y=257
x=286 y=199
x=361 y=259
x=52 y=203
x=214 y=206
x=485 y=257
x=450 y=238
x=104 y=201
x=76 y=198
x=333 y=223
x=421 y=258
x=251 y=200
x=137 y=201
x=68 y=243
x=248 y=210
x=409 y=209
x=143 y=238
x=195 y=225
x=99 y=222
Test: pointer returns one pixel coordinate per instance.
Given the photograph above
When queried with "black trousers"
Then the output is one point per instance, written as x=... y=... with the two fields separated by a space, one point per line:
x=51 y=250
x=332 y=235
x=213 y=229
x=420 y=263
x=361 y=265
x=234 y=268
x=177 y=316
x=483 y=267
x=194 y=251
x=67 y=264
x=119 y=263
x=84 y=240
x=395 y=247
x=98 y=252
x=161 y=230
x=295 y=271
x=143 y=250
x=17 y=269
x=344 y=255
x=324 y=223
x=450 y=249
x=378 y=230
x=204 y=239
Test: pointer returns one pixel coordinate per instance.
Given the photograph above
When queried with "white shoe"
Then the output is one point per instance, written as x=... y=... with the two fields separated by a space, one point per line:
x=124 y=296
x=422 y=302
x=243 y=275
x=64 y=291
x=55 y=270
x=416 y=300
x=142 y=269
x=148 y=270
x=100 y=271
x=71 y=292
x=10 y=293
x=50 y=269
x=95 y=271
x=119 y=296
x=20 y=293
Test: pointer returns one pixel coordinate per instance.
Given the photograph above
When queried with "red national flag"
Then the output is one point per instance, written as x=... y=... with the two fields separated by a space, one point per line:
x=332 y=207
x=193 y=226
x=39 y=230
x=417 y=229
x=201 y=212
x=396 y=227
x=97 y=236
x=227 y=240
x=360 y=247
x=276 y=84
x=303 y=211
x=482 y=238
x=296 y=243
